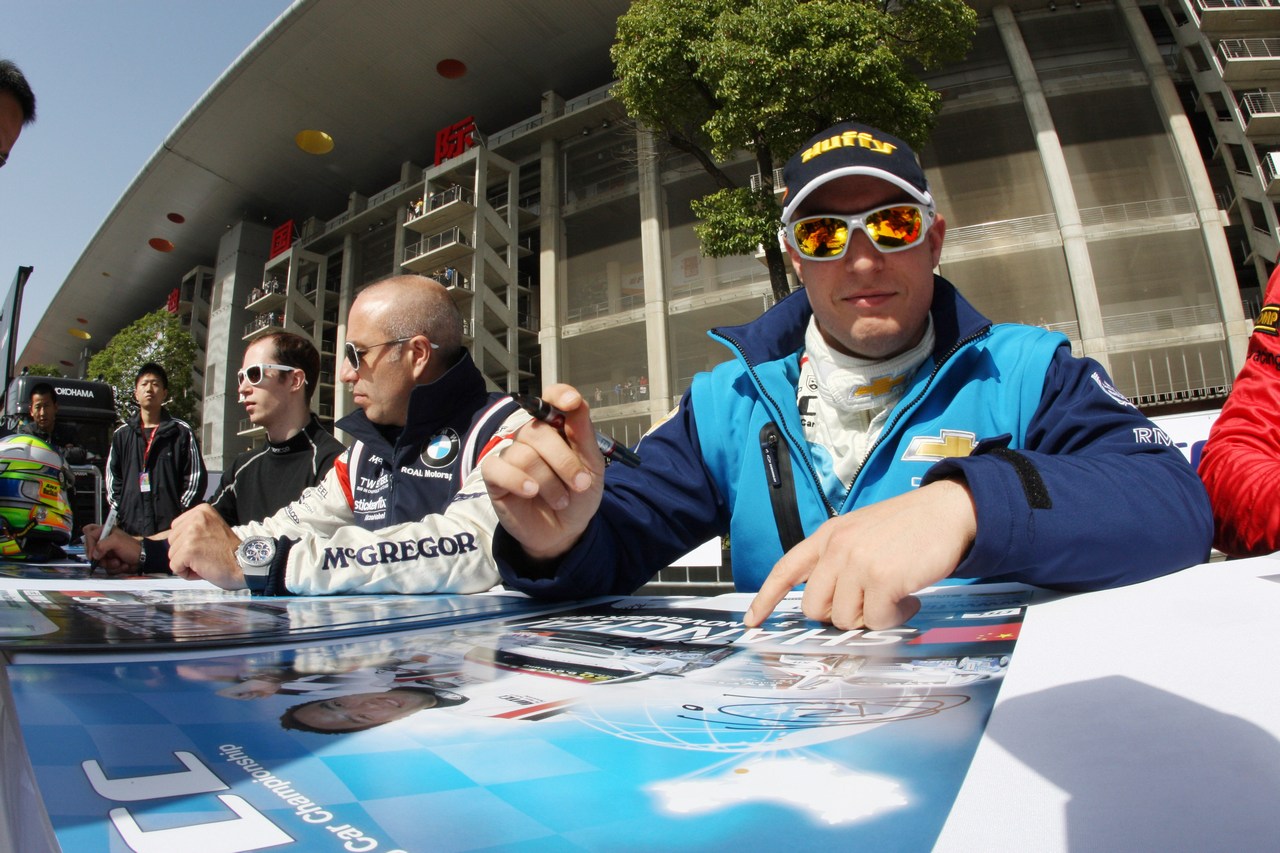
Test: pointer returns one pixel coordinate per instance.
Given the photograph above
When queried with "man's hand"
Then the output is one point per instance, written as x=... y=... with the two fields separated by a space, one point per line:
x=201 y=545
x=862 y=569
x=119 y=553
x=546 y=486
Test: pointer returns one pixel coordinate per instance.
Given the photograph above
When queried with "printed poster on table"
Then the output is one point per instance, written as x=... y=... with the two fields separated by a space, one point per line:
x=640 y=724
x=122 y=619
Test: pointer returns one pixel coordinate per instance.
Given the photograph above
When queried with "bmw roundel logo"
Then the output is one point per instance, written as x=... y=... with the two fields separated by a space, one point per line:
x=441 y=449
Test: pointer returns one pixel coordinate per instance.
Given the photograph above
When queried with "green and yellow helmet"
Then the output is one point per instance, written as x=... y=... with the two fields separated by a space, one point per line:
x=34 y=513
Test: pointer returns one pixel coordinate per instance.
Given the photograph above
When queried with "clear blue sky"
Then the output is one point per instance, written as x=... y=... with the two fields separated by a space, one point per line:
x=112 y=78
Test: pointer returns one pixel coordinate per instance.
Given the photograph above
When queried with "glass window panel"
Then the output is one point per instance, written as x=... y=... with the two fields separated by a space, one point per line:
x=1018 y=287
x=983 y=166
x=1139 y=274
x=1116 y=147
x=604 y=271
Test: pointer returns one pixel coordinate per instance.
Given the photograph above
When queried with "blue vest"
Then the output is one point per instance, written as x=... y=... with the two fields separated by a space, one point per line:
x=987 y=388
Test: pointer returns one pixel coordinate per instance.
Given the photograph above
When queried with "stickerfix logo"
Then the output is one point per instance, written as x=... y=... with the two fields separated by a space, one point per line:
x=1268 y=320
x=364 y=506
x=947 y=444
x=441 y=449
x=406 y=550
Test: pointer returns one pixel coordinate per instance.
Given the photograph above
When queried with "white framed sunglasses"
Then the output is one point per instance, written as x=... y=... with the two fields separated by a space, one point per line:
x=891 y=228
x=255 y=373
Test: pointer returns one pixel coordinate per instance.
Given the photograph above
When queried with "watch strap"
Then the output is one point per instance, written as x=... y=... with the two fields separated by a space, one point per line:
x=272 y=581
x=154 y=559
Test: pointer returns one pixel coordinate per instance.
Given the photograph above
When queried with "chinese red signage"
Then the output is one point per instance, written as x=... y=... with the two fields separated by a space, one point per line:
x=455 y=139
x=281 y=239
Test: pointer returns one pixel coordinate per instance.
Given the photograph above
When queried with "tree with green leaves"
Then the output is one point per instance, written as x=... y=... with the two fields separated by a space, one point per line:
x=156 y=337
x=716 y=77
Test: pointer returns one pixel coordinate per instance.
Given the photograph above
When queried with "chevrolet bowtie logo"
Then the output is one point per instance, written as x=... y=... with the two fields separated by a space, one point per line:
x=949 y=444
x=880 y=385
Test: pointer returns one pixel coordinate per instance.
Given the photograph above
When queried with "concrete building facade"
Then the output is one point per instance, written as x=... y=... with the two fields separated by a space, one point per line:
x=1108 y=169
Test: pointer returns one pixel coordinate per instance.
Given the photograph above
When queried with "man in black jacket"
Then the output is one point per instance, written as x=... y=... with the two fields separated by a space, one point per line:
x=154 y=471
x=275 y=384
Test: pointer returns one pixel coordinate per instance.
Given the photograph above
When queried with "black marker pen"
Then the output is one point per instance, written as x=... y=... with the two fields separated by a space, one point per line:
x=549 y=414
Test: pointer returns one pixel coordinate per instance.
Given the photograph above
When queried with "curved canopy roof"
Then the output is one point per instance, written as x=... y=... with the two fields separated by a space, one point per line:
x=364 y=71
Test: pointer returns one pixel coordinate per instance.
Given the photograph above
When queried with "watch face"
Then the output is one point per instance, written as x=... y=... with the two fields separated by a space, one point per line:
x=257 y=551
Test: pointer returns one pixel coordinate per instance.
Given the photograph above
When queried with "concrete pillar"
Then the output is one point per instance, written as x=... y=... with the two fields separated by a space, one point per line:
x=652 y=218
x=613 y=285
x=1084 y=288
x=551 y=287
x=342 y=404
x=1236 y=328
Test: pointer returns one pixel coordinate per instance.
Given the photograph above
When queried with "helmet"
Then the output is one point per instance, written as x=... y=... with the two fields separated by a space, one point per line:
x=34 y=513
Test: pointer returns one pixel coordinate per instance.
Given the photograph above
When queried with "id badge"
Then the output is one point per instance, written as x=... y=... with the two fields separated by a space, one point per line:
x=144 y=482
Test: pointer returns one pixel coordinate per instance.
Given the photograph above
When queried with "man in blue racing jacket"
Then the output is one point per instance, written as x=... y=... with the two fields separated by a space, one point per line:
x=872 y=436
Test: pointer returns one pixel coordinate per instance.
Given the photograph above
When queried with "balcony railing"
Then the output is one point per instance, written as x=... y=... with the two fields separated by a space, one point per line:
x=270 y=286
x=1259 y=104
x=1022 y=229
x=1270 y=163
x=601 y=309
x=389 y=193
x=449 y=196
x=1167 y=319
x=263 y=321
x=757 y=181
x=1135 y=211
x=1002 y=231
x=430 y=244
x=1264 y=48
x=452 y=278
x=1238 y=4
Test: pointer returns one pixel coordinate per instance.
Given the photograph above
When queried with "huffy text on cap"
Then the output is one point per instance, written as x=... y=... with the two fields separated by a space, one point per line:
x=851 y=148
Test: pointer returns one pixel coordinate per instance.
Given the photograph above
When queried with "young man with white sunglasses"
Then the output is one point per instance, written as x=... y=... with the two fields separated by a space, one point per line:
x=404 y=509
x=872 y=435
x=275 y=384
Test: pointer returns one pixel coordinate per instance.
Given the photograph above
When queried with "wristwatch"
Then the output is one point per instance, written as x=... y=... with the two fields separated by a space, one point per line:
x=255 y=556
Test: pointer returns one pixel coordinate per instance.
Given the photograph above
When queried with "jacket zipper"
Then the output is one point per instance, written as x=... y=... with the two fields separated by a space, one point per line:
x=888 y=430
x=782 y=492
x=832 y=512
x=808 y=464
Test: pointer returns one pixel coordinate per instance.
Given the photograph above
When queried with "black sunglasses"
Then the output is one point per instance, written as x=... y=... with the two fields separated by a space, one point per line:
x=355 y=355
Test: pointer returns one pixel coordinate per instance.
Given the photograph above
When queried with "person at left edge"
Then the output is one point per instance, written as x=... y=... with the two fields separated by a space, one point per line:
x=154 y=469
x=17 y=107
x=405 y=509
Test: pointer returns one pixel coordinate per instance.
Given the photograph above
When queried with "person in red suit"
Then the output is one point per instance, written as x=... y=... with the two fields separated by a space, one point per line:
x=1240 y=464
